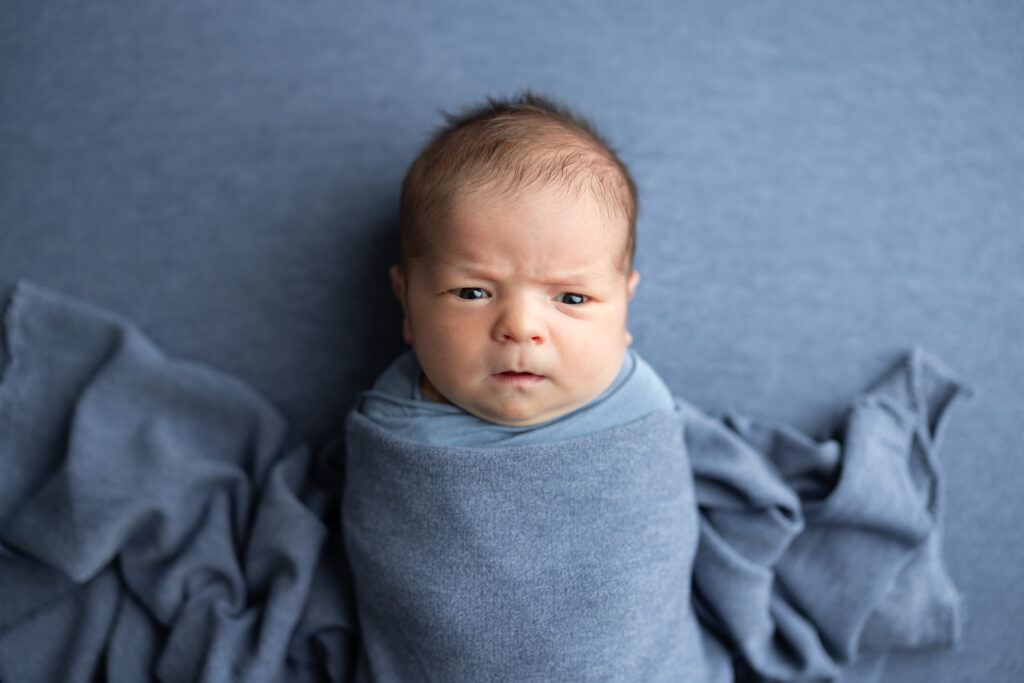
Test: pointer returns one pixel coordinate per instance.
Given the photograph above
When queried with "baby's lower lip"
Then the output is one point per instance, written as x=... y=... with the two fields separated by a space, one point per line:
x=517 y=379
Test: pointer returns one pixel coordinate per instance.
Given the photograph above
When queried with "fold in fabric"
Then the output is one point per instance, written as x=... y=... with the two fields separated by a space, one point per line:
x=156 y=523
x=817 y=555
x=150 y=517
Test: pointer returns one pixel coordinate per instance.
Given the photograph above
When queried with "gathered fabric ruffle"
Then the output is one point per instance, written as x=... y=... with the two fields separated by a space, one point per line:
x=817 y=556
x=154 y=522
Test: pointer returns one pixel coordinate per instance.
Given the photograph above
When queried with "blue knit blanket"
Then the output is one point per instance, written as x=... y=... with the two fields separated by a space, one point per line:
x=157 y=523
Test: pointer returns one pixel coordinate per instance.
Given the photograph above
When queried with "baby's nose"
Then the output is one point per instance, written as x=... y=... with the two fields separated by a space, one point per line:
x=519 y=322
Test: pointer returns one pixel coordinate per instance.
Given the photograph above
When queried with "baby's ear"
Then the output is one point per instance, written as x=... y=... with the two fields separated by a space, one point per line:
x=634 y=278
x=398 y=286
x=398 y=283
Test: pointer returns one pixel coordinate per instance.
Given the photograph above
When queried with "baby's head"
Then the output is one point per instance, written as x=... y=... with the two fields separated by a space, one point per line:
x=517 y=232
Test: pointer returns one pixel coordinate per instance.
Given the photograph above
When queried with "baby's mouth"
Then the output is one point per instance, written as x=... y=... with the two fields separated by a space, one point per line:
x=517 y=379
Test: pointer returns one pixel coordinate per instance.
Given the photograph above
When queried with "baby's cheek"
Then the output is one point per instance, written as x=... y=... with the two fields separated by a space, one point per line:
x=586 y=355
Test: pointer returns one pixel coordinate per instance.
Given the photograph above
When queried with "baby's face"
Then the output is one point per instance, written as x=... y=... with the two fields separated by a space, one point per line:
x=517 y=313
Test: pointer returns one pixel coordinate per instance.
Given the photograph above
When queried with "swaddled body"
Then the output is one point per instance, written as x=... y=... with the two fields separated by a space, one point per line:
x=520 y=557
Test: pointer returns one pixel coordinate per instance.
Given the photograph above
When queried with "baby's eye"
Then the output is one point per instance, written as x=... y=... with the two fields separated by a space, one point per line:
x=470 y=293
x=572 y=298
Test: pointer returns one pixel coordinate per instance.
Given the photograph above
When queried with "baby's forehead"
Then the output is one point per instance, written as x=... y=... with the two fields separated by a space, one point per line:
x=488 y=222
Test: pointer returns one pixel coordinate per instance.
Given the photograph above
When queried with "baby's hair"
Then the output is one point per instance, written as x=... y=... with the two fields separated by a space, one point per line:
x=524 y=142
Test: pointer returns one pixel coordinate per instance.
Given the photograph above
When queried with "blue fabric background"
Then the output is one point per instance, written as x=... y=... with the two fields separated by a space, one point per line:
x=823 y=185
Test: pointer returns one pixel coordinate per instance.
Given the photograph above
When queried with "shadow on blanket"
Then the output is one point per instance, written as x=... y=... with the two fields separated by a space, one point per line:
x=153 y=525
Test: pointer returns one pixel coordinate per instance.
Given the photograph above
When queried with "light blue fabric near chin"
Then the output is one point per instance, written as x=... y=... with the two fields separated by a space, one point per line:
x=396 y=403
x=155 y=524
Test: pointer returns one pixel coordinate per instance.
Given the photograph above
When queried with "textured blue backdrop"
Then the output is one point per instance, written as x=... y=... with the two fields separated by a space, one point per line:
x=823 y=185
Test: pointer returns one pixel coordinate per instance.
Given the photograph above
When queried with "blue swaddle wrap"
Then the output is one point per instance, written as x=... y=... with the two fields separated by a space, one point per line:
x=561 y=561
x=155 y=523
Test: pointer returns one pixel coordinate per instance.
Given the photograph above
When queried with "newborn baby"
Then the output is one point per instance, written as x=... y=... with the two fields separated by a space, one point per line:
x=517 y=234
x=498 y=525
